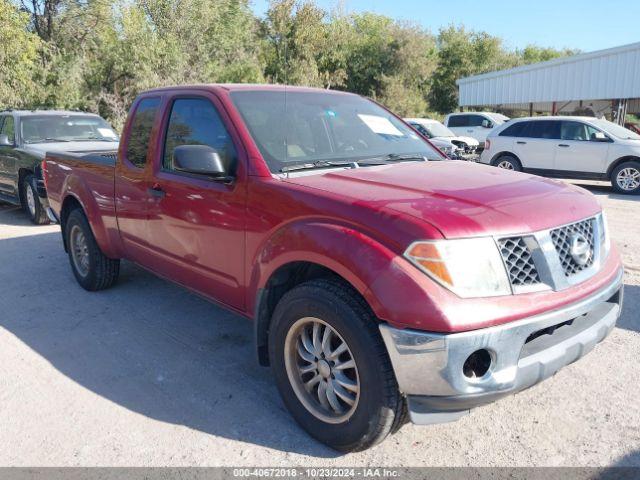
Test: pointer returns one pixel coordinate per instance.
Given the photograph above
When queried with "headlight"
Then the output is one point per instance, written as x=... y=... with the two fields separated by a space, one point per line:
x=470 y=267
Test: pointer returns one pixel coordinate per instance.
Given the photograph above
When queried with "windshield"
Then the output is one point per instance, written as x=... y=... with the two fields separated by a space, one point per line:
x=498 y=117
x=615 y=129
x=66 y=128
x=323 y=126
x=436 y=129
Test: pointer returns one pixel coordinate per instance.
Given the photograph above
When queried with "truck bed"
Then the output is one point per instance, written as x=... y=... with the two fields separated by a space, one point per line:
x=69 y=172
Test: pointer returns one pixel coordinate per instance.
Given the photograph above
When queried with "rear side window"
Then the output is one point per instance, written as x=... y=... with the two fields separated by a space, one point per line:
x=547 y=129
x=514 y=130
x=140 y=131
x=458 y=121
x=195 y=121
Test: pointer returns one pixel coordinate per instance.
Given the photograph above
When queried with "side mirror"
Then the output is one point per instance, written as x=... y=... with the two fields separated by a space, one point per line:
x=199 y=159
x=4 y=141
x=599 y=137
x=487 y=124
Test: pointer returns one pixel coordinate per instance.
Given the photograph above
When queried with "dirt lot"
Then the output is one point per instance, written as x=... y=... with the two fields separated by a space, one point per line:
x=147 y=374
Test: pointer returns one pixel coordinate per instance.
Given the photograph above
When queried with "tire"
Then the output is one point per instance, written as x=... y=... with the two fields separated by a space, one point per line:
x=625 y=178
x=508 y=162
x=31 y=202
x=377 y=409
x=92 y=269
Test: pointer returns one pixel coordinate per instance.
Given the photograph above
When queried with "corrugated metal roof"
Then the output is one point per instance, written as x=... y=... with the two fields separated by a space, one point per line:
x=606 y=74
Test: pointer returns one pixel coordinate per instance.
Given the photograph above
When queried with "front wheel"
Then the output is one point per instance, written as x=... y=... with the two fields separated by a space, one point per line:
x=31 y=201
x=332 y=368
x=625 y=178
x=92 y=269
x=508 y=162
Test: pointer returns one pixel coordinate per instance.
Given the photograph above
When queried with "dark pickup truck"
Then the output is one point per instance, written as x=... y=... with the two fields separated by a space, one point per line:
x=382 y=279
x=25 y=137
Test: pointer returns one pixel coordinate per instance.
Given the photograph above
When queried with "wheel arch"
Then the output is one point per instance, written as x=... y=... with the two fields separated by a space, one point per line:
x=615 y=163
x=504 y=152
x=22 y=173
x=283 y=279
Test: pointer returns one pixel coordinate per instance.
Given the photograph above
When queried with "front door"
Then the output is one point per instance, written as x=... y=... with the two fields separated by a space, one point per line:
x=197 y=222
x=577 y=152
x=7 y=157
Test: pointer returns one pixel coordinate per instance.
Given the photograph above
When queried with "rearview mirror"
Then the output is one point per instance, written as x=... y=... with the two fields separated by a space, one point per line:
x=599 y=137
x=487 y=124
x=198 y=159
x=4 y=141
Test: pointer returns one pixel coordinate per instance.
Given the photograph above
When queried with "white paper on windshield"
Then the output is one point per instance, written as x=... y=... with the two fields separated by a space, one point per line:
x=380 y=125
x=105 y=132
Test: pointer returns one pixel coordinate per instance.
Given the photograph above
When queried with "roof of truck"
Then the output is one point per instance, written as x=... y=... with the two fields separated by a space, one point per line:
x=245 y=87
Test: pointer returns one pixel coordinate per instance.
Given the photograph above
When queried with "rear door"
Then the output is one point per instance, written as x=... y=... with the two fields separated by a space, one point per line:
x=132 y=185
x=535 y=145
x=576 y=152
x=196 y=222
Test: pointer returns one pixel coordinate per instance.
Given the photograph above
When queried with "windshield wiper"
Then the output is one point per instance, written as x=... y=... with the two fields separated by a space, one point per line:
x=50 y=139
x=317 y=164
x=394 y=157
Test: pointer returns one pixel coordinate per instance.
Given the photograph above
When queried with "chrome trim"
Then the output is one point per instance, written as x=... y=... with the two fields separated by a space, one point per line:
x=431 y=363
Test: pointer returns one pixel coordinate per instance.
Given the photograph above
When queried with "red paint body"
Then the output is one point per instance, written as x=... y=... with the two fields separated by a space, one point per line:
x=225 y=241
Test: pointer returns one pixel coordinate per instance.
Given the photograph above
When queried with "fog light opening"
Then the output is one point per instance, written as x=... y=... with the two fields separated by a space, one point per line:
x=477 y=364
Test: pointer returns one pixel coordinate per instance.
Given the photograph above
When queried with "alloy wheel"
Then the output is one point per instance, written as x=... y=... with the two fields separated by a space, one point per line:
x=322 y=370
x=628 y=178
x=79 y=250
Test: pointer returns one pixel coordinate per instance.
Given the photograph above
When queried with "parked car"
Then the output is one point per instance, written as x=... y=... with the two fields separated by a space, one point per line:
x=379 y=283
x=434 y=130
x=634 y=127
x=568 y=147
x=474 y=124
x=25 y=136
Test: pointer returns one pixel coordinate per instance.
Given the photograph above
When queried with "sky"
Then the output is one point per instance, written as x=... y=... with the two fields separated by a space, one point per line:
x=586 y=25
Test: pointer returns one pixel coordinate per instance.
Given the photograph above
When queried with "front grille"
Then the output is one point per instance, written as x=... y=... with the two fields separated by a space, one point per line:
x=562 y=239
x=519 y=262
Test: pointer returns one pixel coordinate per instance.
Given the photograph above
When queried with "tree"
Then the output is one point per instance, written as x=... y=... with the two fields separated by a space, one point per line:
x=18 y=57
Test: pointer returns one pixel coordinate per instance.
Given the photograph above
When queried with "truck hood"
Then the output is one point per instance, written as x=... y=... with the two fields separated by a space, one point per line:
x=460 y=199
x=40 y=149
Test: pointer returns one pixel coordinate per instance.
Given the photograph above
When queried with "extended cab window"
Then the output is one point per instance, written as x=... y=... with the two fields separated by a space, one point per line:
x=140 y=131
x=476 y=120
x=195 y=121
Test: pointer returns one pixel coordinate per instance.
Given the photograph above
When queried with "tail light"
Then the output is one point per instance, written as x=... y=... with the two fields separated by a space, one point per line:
x=487 y=144
x=45 y=176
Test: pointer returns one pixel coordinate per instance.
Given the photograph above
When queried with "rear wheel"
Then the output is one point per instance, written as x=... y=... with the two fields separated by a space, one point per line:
x=31 y=202
x=332 y=368
x=508 y=162
x=625 y=178
x=92 y=269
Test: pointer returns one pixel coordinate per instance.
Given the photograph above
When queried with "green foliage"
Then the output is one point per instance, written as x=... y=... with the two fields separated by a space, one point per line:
x=97 y=55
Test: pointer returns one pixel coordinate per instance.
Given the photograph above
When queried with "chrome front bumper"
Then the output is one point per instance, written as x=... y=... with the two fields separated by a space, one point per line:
x=429 y=366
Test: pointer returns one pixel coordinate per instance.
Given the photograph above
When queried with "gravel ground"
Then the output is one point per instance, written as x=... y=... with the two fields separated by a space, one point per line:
x=148 y=374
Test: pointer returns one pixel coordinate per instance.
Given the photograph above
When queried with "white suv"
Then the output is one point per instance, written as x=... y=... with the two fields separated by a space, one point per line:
x=474 y=124
x=568 y=147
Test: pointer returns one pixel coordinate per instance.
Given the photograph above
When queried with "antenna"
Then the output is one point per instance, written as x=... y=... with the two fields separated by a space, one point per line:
x=286 y=81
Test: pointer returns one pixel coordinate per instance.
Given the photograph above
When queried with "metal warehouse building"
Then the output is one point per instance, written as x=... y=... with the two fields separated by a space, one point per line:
x=606 y=82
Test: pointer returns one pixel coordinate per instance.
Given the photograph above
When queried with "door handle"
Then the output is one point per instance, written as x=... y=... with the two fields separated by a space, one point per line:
x=157 y=191
x=563 y=145
x=521 y=143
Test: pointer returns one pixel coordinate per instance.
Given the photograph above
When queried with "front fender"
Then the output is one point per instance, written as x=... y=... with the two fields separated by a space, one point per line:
x=392 y=287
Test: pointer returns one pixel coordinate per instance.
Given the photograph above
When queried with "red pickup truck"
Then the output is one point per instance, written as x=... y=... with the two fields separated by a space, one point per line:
x=382 y=279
